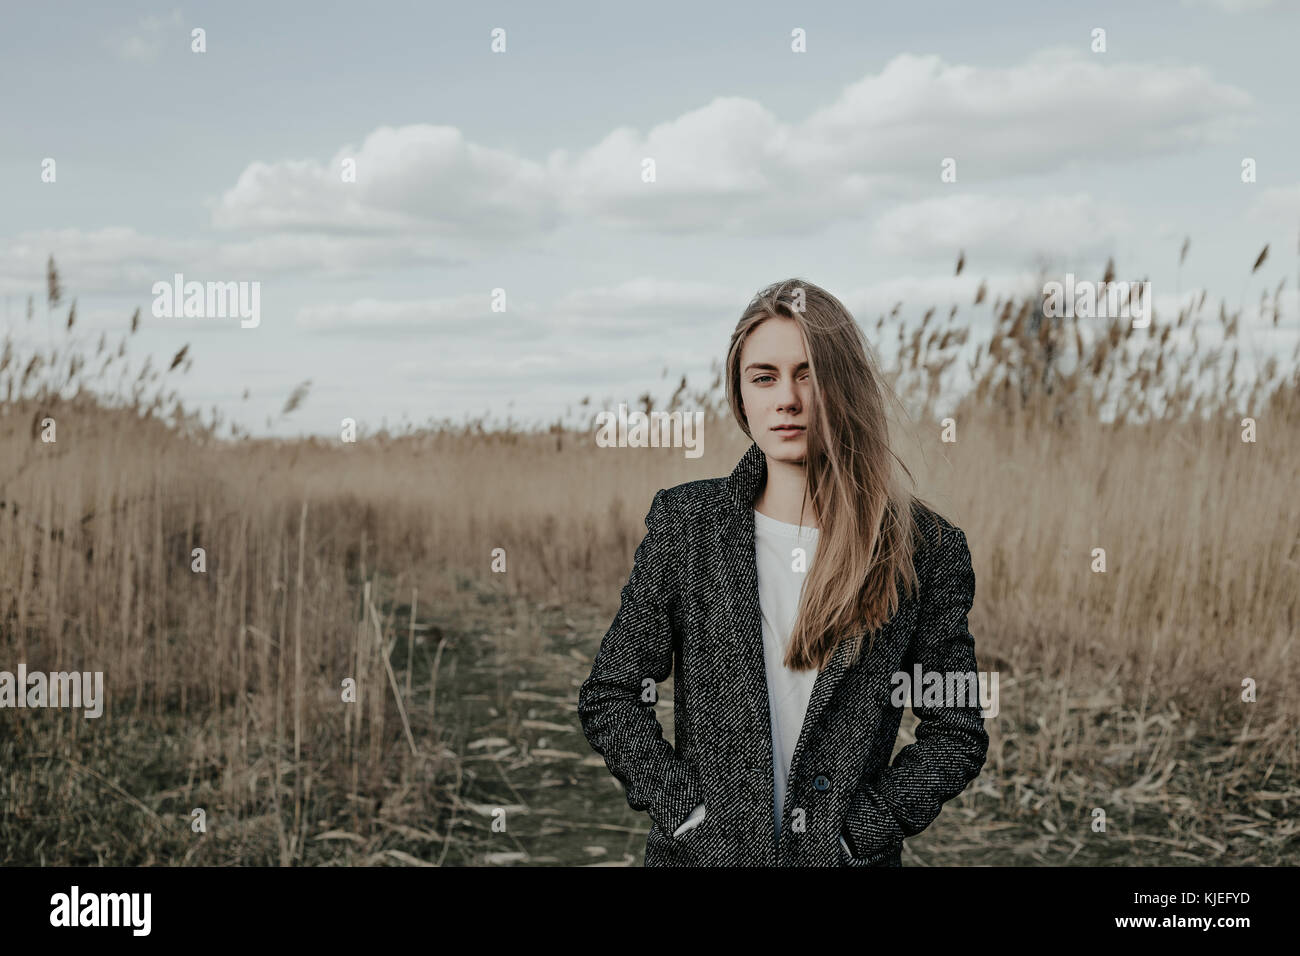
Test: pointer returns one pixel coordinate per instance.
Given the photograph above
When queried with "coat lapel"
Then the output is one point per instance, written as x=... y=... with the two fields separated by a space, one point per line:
x=739 y=571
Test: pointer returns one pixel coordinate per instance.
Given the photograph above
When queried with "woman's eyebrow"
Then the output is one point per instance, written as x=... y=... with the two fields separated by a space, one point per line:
x=768 y=366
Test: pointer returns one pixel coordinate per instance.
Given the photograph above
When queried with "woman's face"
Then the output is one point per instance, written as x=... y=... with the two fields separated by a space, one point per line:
x=776 y=390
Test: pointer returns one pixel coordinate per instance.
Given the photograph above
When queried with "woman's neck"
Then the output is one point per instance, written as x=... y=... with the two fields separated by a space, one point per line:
x=783 y=494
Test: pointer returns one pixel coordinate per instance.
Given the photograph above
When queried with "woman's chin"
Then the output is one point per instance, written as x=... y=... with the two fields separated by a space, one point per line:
x=792 y=452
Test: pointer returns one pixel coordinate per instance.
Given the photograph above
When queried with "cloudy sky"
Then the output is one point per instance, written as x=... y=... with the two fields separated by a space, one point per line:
x=522 y=171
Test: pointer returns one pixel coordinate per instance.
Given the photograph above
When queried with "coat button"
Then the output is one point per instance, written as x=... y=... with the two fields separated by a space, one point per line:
x=821 y=782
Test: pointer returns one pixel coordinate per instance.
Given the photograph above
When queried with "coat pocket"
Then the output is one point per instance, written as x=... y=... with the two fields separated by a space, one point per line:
x=891 y=855
x=705 y=844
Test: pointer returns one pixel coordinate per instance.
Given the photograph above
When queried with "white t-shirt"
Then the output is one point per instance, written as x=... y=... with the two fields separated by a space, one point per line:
x=780 y=549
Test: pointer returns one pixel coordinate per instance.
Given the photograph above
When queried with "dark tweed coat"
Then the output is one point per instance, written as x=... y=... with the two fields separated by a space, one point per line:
x=692 y=602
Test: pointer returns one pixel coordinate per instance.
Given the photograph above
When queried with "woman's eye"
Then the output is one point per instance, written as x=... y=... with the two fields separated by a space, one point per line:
x=761 y=378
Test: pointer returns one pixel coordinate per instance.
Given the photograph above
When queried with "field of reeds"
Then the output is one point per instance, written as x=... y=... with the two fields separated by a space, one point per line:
x=229 y=737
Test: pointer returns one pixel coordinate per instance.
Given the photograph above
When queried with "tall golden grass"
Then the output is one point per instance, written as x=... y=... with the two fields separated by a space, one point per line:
x=328 y=561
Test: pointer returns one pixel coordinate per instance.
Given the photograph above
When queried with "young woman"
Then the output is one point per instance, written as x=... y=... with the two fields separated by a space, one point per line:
x=783 y=600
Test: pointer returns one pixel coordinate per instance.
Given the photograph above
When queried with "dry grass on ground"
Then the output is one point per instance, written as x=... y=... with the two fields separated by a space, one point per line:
x=1119 y=691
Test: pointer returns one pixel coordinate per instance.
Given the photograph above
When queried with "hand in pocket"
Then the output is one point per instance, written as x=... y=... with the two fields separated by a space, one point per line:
x=692 y=821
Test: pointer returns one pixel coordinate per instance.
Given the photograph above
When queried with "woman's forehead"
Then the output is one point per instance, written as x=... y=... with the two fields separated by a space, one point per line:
x=775 y=340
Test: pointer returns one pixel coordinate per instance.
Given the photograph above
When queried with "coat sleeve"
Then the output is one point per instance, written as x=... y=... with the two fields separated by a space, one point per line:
x=951 y=743
x=618 y=721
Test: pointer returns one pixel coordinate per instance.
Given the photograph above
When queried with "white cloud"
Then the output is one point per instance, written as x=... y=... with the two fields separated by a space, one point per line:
x=112 y=259
x=917 y=293
x=144 y=41
x=338 y=256
x=469 y=316
x=414 y=176
x=1060 y=107
x=1000 y=228
x=1231 y=6
x=568 y=368
x=120 y=259
x=1276 y=204
x=643 y=306
x=732 y=165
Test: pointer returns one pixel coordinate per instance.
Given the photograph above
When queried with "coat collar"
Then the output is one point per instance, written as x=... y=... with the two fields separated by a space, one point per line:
x=747 y=479
x=735 y=555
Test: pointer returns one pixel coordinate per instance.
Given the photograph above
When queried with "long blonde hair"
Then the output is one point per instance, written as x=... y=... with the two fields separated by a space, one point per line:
x=866 y=540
